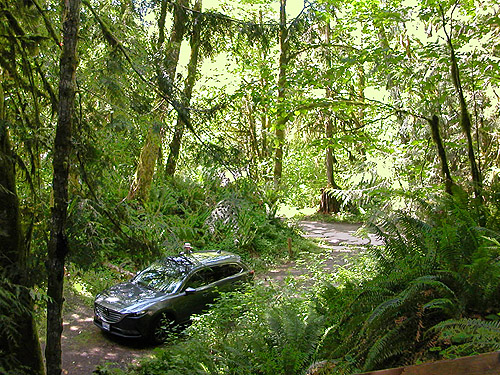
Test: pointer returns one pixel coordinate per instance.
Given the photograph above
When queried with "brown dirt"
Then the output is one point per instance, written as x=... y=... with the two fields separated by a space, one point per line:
x=84 y=346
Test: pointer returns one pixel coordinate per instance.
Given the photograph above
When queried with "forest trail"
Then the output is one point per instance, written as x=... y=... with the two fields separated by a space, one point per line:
x=85 y=346
x=339 y=241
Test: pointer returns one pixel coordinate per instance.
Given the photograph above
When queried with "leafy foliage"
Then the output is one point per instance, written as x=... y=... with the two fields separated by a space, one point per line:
x=235 y=218
x=13 y=310
x=259 y=331
x=381 y=72
x=431 y=276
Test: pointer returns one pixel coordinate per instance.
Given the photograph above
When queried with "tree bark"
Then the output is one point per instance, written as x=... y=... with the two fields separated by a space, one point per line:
x=436 y=136
x=465 y=120
x=143 y=178
x=282 y=83
x=175 y=144
x=58 y=243
x=22 y=353
x=329 y=203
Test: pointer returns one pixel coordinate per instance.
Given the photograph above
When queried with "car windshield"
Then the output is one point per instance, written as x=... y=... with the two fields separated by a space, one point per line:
x=163 y=276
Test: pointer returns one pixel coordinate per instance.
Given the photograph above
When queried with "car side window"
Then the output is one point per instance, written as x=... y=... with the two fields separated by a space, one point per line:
x=225 y=270
x=230 y=270
x=212 y=274
x=196 y=280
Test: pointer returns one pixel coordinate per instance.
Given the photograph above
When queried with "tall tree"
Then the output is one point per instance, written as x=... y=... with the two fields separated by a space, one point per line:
x=192 y=73
x=58 y=243
x=329 y=202
x=282 y=114
x=141 y=184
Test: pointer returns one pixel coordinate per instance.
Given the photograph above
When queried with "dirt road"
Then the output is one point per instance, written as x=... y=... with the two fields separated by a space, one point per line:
x=339 y=240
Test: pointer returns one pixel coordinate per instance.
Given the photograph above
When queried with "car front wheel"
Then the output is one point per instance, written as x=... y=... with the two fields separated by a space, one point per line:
x=161 y=328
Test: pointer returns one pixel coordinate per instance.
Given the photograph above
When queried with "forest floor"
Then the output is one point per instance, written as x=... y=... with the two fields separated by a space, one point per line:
x=84 y=346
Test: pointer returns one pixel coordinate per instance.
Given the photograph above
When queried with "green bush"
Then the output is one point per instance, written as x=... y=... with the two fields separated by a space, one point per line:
x=256 y=331
x=177 y=212
x=14 y=309
x=430 y=275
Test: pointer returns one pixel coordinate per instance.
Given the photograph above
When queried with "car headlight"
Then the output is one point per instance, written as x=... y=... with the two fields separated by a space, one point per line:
x=138 y=314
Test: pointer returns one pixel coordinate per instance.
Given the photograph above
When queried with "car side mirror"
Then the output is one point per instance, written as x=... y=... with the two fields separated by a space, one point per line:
x=190 y=290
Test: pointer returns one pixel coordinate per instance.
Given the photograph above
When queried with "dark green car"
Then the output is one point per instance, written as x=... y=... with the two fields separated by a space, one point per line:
x=167 y=293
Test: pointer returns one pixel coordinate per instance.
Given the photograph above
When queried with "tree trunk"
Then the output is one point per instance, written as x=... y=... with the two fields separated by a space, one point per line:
x=329 y=203
x=150 y=150
x=21 y=351
x=282 y=83
x=147 y=161
x=265 y=152
x=436 y=136
x=465 y=121
x=58 y=242
x=175 y=144
x=253 y=146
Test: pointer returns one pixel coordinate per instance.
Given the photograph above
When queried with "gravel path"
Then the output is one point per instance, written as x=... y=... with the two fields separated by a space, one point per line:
x=337 y=235
x=339 y=240
x=85 y=346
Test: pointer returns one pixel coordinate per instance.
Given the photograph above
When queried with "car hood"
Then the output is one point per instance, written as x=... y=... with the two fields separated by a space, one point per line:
x=128 y=297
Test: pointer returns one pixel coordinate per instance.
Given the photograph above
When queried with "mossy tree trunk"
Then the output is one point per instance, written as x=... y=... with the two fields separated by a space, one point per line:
x=436 y=136
x=143 y=178
x=465 y=120
x=22 y=349
x=58 y=243
x=175 y=144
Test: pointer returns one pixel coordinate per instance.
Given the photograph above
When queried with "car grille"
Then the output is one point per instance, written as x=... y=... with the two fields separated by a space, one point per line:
x=108 y=315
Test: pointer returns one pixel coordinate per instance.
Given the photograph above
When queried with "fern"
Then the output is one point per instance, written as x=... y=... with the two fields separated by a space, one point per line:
x=467 y=336
x=432 y=272
x=386 y=347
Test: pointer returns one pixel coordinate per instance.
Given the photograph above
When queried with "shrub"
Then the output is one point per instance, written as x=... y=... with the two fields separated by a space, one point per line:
x=430 y=275
x=257 y=331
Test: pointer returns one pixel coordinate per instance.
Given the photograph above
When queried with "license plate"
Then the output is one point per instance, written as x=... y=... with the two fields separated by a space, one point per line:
x=106 y=326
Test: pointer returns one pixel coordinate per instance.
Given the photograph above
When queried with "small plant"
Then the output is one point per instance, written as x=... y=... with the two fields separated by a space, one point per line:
x=13 y=310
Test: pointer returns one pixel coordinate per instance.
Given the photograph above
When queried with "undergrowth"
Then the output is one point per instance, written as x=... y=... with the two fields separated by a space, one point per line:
x=437 y=279
x=259 y=330
x=239 y=218
x=431 y=292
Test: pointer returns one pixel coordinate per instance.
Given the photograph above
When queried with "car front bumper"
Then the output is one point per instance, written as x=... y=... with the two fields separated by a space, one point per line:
x=128 y=327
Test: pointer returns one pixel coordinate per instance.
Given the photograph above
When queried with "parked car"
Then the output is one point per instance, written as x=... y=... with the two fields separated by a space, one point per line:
x=167 y=293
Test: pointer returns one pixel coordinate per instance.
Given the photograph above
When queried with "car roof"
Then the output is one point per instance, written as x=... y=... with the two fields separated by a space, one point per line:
x=199 y=259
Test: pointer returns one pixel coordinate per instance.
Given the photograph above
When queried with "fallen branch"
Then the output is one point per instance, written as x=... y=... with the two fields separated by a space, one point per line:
x=119 y=269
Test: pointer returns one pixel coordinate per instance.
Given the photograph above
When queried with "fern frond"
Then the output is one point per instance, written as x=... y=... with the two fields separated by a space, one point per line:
x=387 y=346
x=446 y=305
x=491 y=325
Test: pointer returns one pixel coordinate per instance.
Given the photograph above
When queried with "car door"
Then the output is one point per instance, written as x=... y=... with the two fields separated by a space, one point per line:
x=195 y=295
x=204 y=285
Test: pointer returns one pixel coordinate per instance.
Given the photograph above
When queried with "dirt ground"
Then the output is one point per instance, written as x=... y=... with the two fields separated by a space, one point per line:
x=84 y=346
